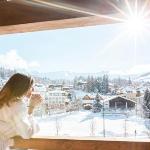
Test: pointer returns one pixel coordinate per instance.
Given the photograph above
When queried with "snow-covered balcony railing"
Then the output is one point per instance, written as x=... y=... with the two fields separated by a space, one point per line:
x=69 y=143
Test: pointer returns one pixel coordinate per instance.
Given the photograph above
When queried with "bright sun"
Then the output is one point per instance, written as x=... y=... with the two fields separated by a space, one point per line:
x=135 y=24
x=136 y=21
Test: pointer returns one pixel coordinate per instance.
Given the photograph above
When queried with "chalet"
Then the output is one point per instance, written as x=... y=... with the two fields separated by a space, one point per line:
x=40 y=87
x=81 y=85
x=87 y=100
x=67 y=88
x=118 y=102
x=51 y=87
x=55 y=87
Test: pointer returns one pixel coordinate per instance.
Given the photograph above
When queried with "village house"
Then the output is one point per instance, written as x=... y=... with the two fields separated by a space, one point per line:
x=52 y=87
x=88 y=100
x=118 y=102
x=81 y=85
x=57 y=97
x=68 y=88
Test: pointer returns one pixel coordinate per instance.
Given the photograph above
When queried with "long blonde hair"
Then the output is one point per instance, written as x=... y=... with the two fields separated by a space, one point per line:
x=16 y=87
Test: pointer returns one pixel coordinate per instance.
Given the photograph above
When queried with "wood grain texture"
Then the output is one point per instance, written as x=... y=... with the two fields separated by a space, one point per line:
x=80 y=144
x=57 y=24
x=22 y=11
x=17 y=16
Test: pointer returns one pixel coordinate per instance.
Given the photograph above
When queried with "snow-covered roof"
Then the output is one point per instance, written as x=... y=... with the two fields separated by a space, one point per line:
x=39 y=87
x=56 y=85
x=82 y=82
x=113 y=97
x=87 y=97
x=67 y=87
x=88 y=101
x=129 y=88
x=57 y=91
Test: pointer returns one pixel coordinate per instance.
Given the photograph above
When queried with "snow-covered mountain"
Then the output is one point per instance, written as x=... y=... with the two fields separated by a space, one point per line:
x=144 y=77
x=58 y=75
x=66 y=74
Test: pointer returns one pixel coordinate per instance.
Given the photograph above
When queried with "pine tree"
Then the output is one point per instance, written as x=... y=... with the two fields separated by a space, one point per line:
x=97 y=106
x=146 y=104
x=69 y=96
x=129 y=81
x=92 y=84
x=148 y=101
x=90 y=87
x=105 y=84
x=146 y=96
x=98 y=84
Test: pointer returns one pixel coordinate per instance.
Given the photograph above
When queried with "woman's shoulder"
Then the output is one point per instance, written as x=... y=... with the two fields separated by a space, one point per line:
x=19 y=106
x=16 y=108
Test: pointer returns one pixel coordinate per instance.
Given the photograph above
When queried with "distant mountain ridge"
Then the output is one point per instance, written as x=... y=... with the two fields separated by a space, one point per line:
x=66 y=74
x=144 y=77
x=71 y=75
x=145 y=74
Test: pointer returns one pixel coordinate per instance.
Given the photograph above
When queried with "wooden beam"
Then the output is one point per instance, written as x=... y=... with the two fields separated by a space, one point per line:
x=58 y=24
x=81 y=144
x=17 y=12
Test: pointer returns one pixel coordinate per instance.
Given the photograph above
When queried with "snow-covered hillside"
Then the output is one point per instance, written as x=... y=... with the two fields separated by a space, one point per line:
x=145 y=77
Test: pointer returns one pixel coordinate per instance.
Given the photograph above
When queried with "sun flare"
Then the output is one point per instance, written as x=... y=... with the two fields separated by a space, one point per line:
x=135 y=16
x=135 y=24
x=132 y=14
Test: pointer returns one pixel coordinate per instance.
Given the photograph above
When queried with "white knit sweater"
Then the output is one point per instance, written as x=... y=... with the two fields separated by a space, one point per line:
x=14 y=120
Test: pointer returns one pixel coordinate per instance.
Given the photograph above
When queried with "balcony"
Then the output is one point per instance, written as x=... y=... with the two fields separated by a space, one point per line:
x=66 y=143
x=26 y=16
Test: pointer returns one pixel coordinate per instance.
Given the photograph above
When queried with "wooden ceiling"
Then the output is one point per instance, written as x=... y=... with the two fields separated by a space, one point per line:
x=34 y=15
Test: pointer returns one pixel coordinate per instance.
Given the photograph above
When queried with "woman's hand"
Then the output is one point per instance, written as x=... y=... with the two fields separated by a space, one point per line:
x=35 y=100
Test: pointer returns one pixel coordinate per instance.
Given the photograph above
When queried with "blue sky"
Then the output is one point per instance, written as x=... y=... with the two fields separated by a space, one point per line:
x=87 y=49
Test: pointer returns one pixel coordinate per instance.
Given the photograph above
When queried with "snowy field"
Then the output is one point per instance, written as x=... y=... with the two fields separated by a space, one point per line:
x=86 y=123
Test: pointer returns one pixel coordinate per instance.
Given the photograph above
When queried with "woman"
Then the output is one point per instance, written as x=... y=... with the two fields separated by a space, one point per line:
x=16 y=113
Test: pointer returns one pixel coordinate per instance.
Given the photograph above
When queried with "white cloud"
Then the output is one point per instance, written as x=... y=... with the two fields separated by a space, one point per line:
x=12 y=60
x=34 y=64
x=137 y=69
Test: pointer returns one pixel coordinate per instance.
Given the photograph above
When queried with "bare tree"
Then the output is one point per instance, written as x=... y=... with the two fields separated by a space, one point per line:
x=57 y=125
x=92 y=127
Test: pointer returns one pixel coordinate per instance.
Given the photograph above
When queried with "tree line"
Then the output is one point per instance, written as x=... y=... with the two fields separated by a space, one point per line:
x=93 y=84
x=5 y=73
x=146 y=103
x=147 y=99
